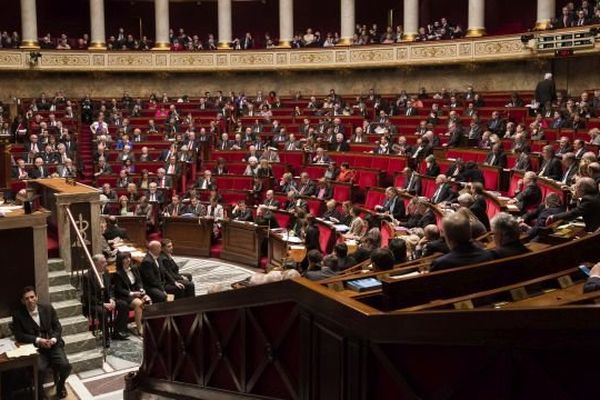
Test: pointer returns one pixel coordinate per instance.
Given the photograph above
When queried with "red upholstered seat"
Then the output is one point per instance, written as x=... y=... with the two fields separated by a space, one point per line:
x=367 y=178
x=283 y=218
x=513 y=185
x=325 y=238
x=314 y=171
x=314 y=206
x=492 y=208
x=491 y=176
x=278 y=170
x=399 y=180
x=380 y=163
x=361 y=147
x=341 y=191
x=293 y=158
x=229 y=156
x=396 y=164
x=374 y=197
x=427 y=186
x=364 y=162
x=387 y=233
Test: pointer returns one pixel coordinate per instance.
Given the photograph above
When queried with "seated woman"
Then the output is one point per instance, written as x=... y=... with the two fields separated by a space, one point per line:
x=358 y=226
x=252 y=167
x=264 y=170
x=130 y=289
x=324 y=191
x=346 y=174
x=144 y=209
x=144 y=181
x=124 y=206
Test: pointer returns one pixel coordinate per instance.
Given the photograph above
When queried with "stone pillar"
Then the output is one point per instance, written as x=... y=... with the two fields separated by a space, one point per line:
x=29 y=34
x=97 y=31
x=286 y=23
x=545 y=13
x=224 y=17
x=476 y=18
x=161 y=21
x=411 y=20
x=348 y=24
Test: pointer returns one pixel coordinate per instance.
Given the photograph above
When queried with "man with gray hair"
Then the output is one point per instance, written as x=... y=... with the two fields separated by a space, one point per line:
x=506 y=232
x=545 y=92
x=151 y=270
x=466 y=200
x=463 y=250
x=588 y=205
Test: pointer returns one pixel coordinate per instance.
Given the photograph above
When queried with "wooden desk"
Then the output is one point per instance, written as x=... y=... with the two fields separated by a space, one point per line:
x=10 y=364
x=190 y=236
x=242 y=242
x=135 y=227
x=279 y=249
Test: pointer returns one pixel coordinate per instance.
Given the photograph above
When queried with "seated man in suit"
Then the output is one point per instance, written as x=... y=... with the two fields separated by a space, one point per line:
x=39 y=170
x=528 y=194
x=241 y=212
x=270 y=200
x=431 y=243
x=593 y=282
x=163 y=181
x=306 y=187
x=420 y=215
x=151 y=271
x=67 y=170
x=183 y=283
x=206 y=182
x=443 y=191
x=292 y=144
x=331 y=213
x=393 y=204
x=506 y=232
x=265 y=217
x=38 y=324
x=468 y=201
x=154 y=195
x=588 y=205
x=537 y=218
x=175 y=209
x=550 y=166
x=412 y=182
x=463 y=250
x=345 y=261
x=570 y=168
x=497 y=157
x=104 y=304
x=294 y=201
x=195 y=208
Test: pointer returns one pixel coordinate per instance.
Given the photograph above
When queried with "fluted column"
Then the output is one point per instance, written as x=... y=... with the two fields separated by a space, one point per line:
x=348 y=24
x=545 y=13
x=29 y=34
x=286 y=23
x=476 y=18
x=411 y=20
x=161 y=21
x=97 y=27
x=224 y=16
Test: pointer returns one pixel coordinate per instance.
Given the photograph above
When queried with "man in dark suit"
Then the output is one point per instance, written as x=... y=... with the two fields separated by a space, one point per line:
x=270 y=200
x=529 y=194
x=206 y=182
x=497 y=157
x=420 y=215
x=38 y=324
x=393 y=204
x=153 y=195
x=537 y=218
x=466 y=200
x=163 y=181
x=506 y=237
x=496 y=124
x=550 y=166
x=340 y=144
x=442 y=192
x=241 y=212
x=306 y=187
x=593 y=282
x=39 y=170
x=463 y=251
x=457 y=136
x=588 y=205
x=152 y=275
x=412 y=182
x=182 y=283
x=545 y=91
x=102 y=304
x=565 y=20
x=570 y=168
x=345 y=261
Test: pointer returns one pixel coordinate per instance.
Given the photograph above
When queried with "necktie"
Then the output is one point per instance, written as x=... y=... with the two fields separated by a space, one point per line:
x=174 y=213
x=493 y=160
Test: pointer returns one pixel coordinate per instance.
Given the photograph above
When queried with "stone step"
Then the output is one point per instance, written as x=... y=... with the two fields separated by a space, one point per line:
x=78 y=342
x=74 y=325
x=68 y=308
x=56 y=264
x=57 y=278
x=86 y=360
x=62 y=292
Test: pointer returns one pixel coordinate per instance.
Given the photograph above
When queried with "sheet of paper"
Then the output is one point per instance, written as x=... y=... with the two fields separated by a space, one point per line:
x=6 y=345
x=25 y=350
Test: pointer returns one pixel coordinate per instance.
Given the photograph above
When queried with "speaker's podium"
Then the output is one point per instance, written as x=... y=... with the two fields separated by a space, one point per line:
x=242 y=242
x=66 y=199
x=23 y=255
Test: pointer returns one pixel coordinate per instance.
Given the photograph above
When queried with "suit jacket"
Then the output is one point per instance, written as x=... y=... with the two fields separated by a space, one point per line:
x=271 y=203
x=508 y=250
x=592 y=284
x=529 y=197
x=457 y=138
x=199 y=210
x=413 y=185
x=242 y=215
x=441 y=194
x=311 y=237
x=174 y=209
x=342 y=146
x=551 y=169
x=540 y=222
x=545 y=90
x=499 y=161
x=466 y=254
x=38 y=173
x=170 y=269
x=202 y=183
x=435 y=246
x=479 y=210
x=328 y=214
x=588 y=208
x=569 y=174
x=151 y=274
x=27 y=331
x=395 y=206
x=159 y=196
x=167 y=184
x=433 y=171
x=123 y=285
x=64 y=172
x=307 y=189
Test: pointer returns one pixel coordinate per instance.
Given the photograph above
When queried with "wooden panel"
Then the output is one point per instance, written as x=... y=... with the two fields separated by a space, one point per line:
x=17 y=266
x=190 y=237
x=135 y=227
x=242 y=242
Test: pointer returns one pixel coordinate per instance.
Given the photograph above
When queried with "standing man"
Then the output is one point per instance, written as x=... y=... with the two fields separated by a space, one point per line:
x=545 y=92
x=38 y=324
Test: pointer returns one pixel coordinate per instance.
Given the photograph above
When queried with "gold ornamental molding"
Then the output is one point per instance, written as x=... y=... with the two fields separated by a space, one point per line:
x=406 y=55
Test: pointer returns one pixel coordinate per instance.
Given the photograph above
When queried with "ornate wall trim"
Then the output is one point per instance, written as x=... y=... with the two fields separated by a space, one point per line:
x=486 y=49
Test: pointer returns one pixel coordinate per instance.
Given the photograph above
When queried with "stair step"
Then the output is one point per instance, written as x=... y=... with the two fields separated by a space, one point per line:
x=86 y=360
x=56 y=264
x=68 y=308
x=62 y=292
x=74 y=325
x=80 y=342
x=57 y=278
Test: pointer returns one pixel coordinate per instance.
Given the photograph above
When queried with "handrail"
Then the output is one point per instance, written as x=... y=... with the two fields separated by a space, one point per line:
x=85 y=249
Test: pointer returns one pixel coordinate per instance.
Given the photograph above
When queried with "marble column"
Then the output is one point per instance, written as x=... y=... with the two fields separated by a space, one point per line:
x=545 y=13
x=29 y=34
x=348 y=24
x=411 y=20
x=286 y=23
x=161 y=21
x=97 y=27
x=224 y=17
x=476 y=18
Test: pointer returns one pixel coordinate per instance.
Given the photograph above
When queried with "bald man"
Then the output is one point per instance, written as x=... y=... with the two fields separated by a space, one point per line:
x=152 y=273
